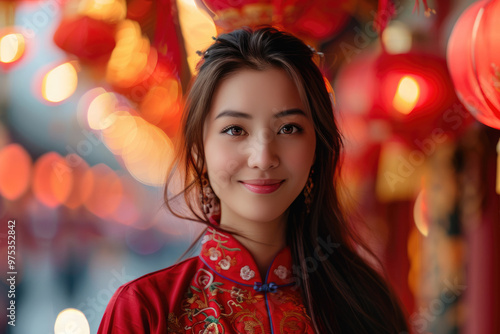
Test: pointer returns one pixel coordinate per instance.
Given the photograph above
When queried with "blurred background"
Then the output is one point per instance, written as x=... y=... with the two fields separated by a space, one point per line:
x=91 y=94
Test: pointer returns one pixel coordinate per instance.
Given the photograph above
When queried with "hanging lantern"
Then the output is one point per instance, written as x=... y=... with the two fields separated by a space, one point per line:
x=87 y=38
x=410 y=92
x=310 y=21
x=474 y=61
x=415 y=89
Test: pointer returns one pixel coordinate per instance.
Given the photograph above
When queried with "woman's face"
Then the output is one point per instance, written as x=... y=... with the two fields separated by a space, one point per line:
x=258 y=131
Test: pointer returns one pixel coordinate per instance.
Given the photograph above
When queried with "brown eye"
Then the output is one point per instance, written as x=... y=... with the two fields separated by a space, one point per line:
x=233 y=131
x=288 y=129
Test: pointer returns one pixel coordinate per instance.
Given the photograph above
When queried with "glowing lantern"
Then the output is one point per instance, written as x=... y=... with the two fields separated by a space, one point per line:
x=412 y=91
x=15 y=171
x=87 y=38
x=407 y=94
x=59 y=83
x=474 y=61
x=52 y=179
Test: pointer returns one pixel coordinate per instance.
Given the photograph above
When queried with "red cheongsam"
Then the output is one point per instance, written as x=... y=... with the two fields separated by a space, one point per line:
x=220 y=291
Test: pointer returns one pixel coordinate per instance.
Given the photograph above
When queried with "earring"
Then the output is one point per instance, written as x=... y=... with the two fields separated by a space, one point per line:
x=308 y=195
x=208 y=199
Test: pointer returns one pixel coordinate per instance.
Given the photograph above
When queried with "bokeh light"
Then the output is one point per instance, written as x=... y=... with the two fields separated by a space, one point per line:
x=421 y=214
x=106 y=193
x=132 y=59
x=11 y=47
x=148 y=154
x=162 y=102
x=397 y=38
x=52 y=179
x=71 y=320
x=197 y=24
x=82 y=187
x=129 y=211
x=407 y=95
x=122 y=125
x=60 y=83
x=15 y=171
x=104 y=10
x=101 y=109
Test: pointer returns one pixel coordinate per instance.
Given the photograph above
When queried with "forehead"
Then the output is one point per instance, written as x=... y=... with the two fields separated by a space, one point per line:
x=256 y=92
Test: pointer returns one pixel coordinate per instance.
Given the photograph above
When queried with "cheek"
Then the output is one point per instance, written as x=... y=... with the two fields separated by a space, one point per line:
x=222 y=163
x=301 y=154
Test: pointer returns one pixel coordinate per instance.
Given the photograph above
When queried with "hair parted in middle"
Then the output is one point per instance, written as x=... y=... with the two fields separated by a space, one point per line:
x=343 y=294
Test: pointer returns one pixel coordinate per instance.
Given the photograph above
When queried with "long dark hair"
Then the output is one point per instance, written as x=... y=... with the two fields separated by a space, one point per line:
x=342 y=293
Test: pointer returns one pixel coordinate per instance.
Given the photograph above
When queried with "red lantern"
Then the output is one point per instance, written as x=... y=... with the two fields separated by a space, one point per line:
x=474 y=61
x=89 y=39
x=315 y=20
x=411 y=94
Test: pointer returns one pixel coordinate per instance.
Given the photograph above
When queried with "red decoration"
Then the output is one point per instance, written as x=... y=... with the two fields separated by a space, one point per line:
x=86 y=38
x=367 y=88
x=474 y=61
x=314 y=20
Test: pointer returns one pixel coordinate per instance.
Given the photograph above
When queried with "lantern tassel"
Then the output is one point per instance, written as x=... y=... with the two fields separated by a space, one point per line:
x=498 y=167
x=428 y=11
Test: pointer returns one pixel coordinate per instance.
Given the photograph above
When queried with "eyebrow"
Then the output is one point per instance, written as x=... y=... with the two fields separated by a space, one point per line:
x=239 y=114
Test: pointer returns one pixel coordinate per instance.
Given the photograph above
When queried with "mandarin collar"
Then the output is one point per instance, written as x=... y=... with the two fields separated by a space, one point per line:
x=228 y=258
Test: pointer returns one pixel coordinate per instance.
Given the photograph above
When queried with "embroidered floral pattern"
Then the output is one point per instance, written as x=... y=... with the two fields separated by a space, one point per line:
x=206 y=237
x=214 y=254
x=221 y=297
x=246 y=273
x=237 y=294
x=225 y=263
x=204 y=278
x=281 y=272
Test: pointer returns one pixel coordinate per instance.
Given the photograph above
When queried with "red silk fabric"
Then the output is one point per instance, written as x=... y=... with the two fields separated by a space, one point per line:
x=220 y=291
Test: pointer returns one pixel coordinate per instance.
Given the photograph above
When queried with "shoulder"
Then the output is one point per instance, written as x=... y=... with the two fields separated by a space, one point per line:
x=162 y=279
x=139 y=306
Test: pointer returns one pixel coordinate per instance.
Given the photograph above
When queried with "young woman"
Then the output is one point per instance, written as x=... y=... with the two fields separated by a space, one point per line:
x=261 y=149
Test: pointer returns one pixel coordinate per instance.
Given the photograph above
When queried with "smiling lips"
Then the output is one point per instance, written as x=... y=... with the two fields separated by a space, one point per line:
x=262 y=186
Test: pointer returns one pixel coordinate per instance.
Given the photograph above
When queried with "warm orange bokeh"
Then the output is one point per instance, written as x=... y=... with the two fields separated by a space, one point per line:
x=148 y=154
x=52 y=179
x=59 y=83
x=15 y=171
x=128 y=212
x=106 y=193
x=82 y=187
x=11 y=47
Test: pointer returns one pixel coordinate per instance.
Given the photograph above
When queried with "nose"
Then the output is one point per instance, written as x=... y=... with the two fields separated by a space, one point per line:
x=263 y=155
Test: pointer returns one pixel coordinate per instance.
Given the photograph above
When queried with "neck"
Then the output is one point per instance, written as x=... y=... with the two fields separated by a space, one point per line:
x=262 y=239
